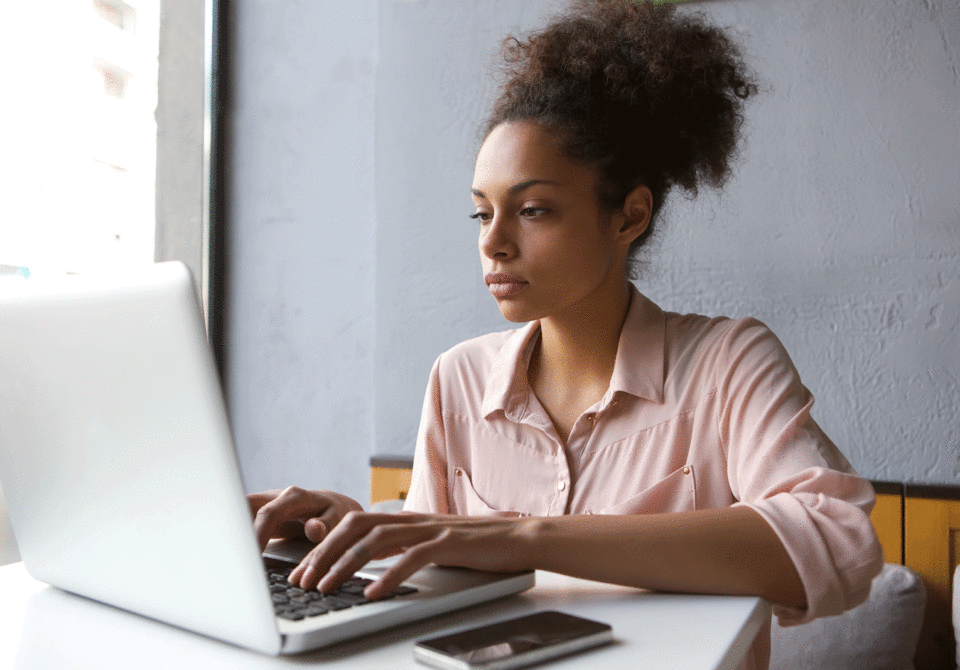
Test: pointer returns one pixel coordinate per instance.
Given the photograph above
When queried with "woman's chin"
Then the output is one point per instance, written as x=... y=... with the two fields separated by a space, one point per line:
x=514 y=312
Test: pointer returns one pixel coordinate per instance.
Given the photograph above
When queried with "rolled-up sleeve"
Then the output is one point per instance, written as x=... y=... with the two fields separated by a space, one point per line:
x=782 y=465
x=428 y=487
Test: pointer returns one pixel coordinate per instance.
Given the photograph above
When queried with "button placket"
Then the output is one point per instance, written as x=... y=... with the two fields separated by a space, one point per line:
x=561 y=499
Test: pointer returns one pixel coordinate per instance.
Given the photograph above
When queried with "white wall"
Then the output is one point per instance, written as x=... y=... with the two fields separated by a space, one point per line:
x=841 y=230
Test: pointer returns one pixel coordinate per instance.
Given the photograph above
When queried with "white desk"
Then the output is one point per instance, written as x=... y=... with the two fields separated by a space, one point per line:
x=44 y=628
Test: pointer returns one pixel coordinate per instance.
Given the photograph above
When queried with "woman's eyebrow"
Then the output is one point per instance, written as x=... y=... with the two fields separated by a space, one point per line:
x=516 y=188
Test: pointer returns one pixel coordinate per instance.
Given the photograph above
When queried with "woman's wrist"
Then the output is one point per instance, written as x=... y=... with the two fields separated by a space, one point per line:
x=535 y=536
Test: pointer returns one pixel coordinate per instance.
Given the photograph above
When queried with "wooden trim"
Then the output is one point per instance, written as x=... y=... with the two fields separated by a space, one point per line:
x=887 y=488
x=401 y=462
x=931 y=547
x=932 y=491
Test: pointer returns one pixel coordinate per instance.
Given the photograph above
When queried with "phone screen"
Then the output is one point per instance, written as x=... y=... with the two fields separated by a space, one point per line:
x=527 y=634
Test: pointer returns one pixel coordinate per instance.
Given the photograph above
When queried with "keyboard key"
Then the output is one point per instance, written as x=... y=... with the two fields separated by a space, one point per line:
x=295 y=604
x=335 y=603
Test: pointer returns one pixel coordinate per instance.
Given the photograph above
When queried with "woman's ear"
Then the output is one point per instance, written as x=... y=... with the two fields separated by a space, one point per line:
x=635 y=217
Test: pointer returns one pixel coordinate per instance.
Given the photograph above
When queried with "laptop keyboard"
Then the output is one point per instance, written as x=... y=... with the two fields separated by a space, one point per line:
x=295 y=604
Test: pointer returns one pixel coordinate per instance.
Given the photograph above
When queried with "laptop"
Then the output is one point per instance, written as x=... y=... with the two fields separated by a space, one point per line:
x=121 y=478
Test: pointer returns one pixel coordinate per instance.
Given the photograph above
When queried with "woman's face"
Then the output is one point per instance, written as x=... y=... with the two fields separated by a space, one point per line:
x=545 y=247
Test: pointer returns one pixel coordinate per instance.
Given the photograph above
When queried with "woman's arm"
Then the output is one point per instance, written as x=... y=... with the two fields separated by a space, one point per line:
x=728 y=551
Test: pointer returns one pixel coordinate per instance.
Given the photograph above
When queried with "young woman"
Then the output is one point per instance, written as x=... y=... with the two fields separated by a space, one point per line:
x=608 y=439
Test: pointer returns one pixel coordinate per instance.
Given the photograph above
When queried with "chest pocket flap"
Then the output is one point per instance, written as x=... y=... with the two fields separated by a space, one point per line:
x=465 y=499
x=674 y=493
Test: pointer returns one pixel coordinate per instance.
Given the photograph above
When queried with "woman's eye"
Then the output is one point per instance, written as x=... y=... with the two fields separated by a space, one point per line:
x=482 y=216
x=530 y=212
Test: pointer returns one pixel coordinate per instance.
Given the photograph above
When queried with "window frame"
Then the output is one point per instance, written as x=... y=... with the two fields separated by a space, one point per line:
x=190 y=209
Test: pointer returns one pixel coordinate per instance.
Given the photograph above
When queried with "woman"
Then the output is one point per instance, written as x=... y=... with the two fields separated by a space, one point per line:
x=608 y=439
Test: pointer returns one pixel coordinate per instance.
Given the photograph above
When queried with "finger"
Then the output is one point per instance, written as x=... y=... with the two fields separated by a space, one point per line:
x=352 y=560
x=315 y=530
x=384 y=539
x=291 y=505
x=354 y=527
x=258 y=500
x=413 y=559
x=316 y=563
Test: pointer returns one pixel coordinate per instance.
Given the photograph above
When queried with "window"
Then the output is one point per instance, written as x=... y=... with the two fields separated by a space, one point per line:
x=82 y=195
x=118 y=14
x=107 y=130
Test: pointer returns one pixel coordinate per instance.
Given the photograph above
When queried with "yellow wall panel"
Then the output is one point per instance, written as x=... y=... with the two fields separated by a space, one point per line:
x=887 y=518
x=931 y=533
x=389 y=483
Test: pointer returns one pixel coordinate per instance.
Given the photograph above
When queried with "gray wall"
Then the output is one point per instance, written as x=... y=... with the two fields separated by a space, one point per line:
x=300 y=330
x=841 y=229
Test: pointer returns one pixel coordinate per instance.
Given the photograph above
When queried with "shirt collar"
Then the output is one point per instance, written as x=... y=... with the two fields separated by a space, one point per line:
x=638 y=369
x=507 y=388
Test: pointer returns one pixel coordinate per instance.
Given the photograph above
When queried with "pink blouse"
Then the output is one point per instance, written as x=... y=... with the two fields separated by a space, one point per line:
x=701 y=413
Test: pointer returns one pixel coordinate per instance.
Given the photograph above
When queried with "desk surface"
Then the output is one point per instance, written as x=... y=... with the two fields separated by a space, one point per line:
x=42 y=627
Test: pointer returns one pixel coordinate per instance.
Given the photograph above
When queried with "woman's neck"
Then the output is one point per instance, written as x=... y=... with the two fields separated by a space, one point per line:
x=572 y=364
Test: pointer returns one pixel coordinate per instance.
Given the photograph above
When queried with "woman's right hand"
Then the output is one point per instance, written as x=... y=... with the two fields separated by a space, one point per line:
x=296 y=512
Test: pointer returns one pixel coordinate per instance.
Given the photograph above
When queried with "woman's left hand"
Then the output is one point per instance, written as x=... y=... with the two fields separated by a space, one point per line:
x=483 y=543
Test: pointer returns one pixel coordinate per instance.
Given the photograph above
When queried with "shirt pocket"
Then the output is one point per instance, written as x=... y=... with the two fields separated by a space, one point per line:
x=674 y=493
x=468 y=502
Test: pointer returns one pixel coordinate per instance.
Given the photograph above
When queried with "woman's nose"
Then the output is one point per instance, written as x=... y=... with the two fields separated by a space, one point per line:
x=496 y=241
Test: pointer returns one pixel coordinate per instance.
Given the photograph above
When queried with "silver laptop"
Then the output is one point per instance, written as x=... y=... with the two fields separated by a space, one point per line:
x=121 y=478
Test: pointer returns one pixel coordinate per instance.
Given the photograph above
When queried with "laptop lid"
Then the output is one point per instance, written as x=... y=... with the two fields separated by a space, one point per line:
x=115 y=453
x=120 y=475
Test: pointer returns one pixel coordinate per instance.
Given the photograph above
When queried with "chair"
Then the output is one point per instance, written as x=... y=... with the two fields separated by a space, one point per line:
x=879 y=634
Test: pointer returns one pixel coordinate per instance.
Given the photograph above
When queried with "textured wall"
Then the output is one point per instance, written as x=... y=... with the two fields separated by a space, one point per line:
x=841 y=229
x=301 y=242
x=432 y=84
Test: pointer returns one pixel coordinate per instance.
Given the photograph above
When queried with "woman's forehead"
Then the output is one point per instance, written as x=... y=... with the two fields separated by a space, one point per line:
x=519 y=152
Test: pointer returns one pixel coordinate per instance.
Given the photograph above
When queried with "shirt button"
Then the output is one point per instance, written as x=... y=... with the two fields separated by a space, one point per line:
x=561 y=485
x=686 y=469
x=458 y=472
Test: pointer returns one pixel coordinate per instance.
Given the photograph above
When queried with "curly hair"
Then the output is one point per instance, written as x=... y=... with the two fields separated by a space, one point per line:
x=642 y=93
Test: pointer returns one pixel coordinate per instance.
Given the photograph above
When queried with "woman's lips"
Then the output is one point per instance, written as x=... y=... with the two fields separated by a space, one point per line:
x=504 y=284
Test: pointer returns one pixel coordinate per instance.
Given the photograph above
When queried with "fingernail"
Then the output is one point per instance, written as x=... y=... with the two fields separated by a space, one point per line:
x=307 y=575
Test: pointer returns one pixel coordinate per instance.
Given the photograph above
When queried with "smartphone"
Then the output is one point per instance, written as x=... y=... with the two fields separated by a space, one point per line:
x=514 y=643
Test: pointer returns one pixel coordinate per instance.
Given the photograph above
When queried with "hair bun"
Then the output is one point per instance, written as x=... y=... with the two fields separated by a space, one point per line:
x=645 y=93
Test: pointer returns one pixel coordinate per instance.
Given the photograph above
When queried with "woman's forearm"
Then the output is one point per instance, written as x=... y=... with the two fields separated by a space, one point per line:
x=725 y=551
